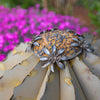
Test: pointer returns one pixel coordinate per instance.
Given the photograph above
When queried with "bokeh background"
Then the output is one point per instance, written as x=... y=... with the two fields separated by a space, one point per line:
x=20 y=19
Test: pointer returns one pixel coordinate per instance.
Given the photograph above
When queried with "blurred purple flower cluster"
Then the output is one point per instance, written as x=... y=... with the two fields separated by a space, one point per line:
x=17 y=24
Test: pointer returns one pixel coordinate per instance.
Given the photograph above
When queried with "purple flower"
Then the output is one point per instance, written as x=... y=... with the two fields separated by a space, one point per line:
x=2 y=57
x=67 y=23
x=1 y=46
x=94 y=33
x=62 y=26
x=85 y=29
x=27 y=40
x=37 y=5
x=9 y=36
x=1 y=39
x=25 y=30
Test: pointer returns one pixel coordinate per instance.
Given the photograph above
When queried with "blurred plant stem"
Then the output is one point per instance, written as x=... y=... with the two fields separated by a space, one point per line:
x=94 y=12
x=44 y=2
x=61 y=6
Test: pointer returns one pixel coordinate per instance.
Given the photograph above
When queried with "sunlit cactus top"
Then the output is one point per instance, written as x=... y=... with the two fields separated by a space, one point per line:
x=56 y=46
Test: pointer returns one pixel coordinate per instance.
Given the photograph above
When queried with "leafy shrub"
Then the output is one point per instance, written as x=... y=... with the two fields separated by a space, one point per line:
x=22 y=3
x=94 y=12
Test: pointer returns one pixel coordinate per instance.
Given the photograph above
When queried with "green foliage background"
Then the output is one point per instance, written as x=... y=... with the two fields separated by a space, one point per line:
x=94 y=12
x=22 y=3
x=93 y=6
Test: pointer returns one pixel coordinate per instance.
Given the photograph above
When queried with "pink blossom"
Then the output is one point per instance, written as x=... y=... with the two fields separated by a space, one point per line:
x=62 y=26
x=2 y=57
x=37 y=5
x=9 y=36
x=27 y=40
x=94 y=33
